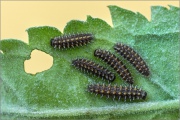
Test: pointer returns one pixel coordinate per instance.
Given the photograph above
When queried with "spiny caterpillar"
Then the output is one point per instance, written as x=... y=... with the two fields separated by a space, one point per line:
x=133 y=57
x=93 y=68
x=124 y=92
x=71 y=41
x=115 y=63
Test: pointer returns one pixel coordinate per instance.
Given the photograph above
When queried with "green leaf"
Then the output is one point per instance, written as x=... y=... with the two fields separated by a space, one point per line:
x=60 y=92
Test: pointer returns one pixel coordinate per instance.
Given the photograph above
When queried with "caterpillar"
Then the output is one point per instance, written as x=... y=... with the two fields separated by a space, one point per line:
x=71 y=41
x=133 y=57
x=115 y=63
x=93 y=68
x=120 y=92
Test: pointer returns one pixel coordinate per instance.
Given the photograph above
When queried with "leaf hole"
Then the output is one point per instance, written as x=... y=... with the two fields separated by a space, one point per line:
x=39 y=61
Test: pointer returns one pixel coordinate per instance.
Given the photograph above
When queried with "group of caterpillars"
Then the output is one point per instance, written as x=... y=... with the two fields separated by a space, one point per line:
x=125 y=92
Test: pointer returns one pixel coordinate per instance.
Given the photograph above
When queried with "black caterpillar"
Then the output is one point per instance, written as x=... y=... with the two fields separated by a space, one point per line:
x=124 y=92
x=71 y=41
x=133 y=57
x=115 y=63
x=93 y=68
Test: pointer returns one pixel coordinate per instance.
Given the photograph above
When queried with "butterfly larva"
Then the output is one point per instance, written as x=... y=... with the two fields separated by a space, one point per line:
x=71 y=41
x=115 y=63
x=93 y=68
x=133 y=57
x=124 y=92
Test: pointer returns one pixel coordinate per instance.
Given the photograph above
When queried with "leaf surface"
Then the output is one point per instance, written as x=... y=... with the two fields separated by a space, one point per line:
x=61 y=91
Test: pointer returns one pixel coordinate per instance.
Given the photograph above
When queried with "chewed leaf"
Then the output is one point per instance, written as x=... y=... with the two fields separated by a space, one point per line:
x=61 y=91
